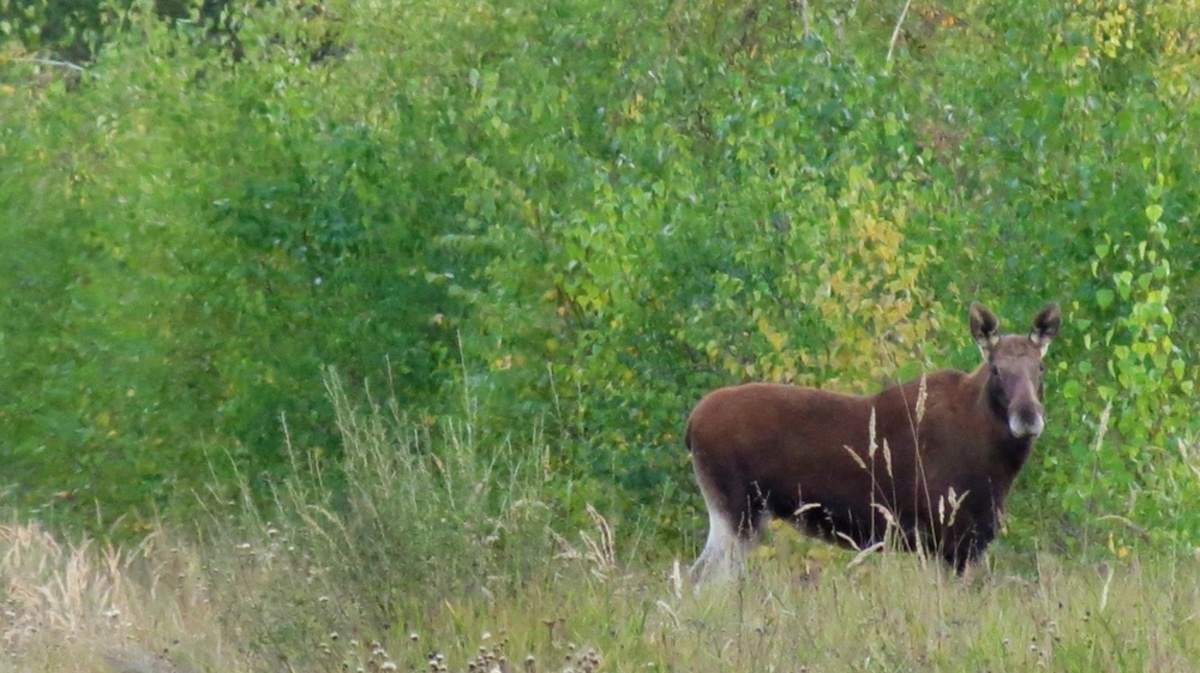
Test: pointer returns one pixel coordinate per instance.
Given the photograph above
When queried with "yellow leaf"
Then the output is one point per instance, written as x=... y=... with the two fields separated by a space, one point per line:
x=773 y=337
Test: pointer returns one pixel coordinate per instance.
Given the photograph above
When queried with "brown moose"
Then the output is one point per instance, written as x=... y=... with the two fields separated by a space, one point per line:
x=927 y=463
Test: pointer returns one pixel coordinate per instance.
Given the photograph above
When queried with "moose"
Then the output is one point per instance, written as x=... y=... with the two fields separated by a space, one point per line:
x=926 y=464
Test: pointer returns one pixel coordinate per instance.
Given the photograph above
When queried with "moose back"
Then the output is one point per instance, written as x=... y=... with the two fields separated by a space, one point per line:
x=927 y=463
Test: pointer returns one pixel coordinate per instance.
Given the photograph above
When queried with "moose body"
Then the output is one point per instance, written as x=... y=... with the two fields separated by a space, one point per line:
x=928 y=462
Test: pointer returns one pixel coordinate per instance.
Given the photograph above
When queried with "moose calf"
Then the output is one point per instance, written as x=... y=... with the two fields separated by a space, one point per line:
x=928 y=462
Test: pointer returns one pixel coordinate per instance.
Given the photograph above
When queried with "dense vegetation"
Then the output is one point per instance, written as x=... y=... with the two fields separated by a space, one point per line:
x=564 y=222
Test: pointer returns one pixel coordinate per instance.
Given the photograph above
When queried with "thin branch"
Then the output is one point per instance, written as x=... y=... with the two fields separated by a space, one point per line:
x=896 y=31
x=804 y=16
x=57 y=64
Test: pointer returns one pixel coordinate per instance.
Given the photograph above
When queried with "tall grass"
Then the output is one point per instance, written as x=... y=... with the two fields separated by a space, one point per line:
x=432 y=550
x=416 y=511
x=87 y=607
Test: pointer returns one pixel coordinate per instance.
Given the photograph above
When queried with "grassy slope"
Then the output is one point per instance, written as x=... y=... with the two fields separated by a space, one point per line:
x=436 y=552
x=164 y=608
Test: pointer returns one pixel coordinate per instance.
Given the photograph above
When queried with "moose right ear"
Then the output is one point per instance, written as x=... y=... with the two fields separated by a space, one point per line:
x=1045 y=326
x=985 y=327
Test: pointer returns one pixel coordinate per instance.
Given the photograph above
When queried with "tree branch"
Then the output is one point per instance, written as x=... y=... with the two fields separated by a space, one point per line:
x=896 y=31
x=57 y=64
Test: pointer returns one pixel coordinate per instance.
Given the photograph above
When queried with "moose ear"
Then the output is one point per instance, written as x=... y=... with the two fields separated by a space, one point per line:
x=1045 y=327
x=985 y=327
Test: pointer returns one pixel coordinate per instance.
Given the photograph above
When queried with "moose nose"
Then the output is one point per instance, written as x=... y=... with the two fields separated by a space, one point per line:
x=1027 y=422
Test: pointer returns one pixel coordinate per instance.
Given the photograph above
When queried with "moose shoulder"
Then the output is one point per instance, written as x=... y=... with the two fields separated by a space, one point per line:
x=928 y=462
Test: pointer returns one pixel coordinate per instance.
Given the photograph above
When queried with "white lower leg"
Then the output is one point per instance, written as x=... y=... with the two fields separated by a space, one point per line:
x=723 y=552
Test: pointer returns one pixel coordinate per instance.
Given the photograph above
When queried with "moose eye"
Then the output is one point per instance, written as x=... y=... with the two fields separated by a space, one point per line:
x=995 y=370
x=1042 y=366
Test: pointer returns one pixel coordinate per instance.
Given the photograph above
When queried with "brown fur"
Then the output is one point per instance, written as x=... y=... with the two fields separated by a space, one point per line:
x=806 y=455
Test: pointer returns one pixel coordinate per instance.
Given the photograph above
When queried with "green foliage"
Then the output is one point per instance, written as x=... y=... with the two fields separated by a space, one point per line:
x=586 y=216
x=1142 y=467
x=168 y=313
x=75 y=30
x=70 y=28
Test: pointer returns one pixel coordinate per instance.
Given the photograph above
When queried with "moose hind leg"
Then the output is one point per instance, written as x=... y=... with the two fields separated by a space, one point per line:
x=726 y=547
x=732 y=535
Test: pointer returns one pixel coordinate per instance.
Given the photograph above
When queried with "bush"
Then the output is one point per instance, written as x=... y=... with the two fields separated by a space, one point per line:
x=588 y=216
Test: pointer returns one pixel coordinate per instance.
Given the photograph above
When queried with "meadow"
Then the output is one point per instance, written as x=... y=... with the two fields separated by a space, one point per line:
x=439 y=560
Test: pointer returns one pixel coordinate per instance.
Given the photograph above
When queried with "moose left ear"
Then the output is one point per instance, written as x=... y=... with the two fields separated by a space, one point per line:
x=1045 y=327
x=985 y=328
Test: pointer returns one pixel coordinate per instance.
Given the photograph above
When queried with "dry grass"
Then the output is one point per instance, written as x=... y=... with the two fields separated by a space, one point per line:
x=157 y=609
x=88 y=607
x=899 y=614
